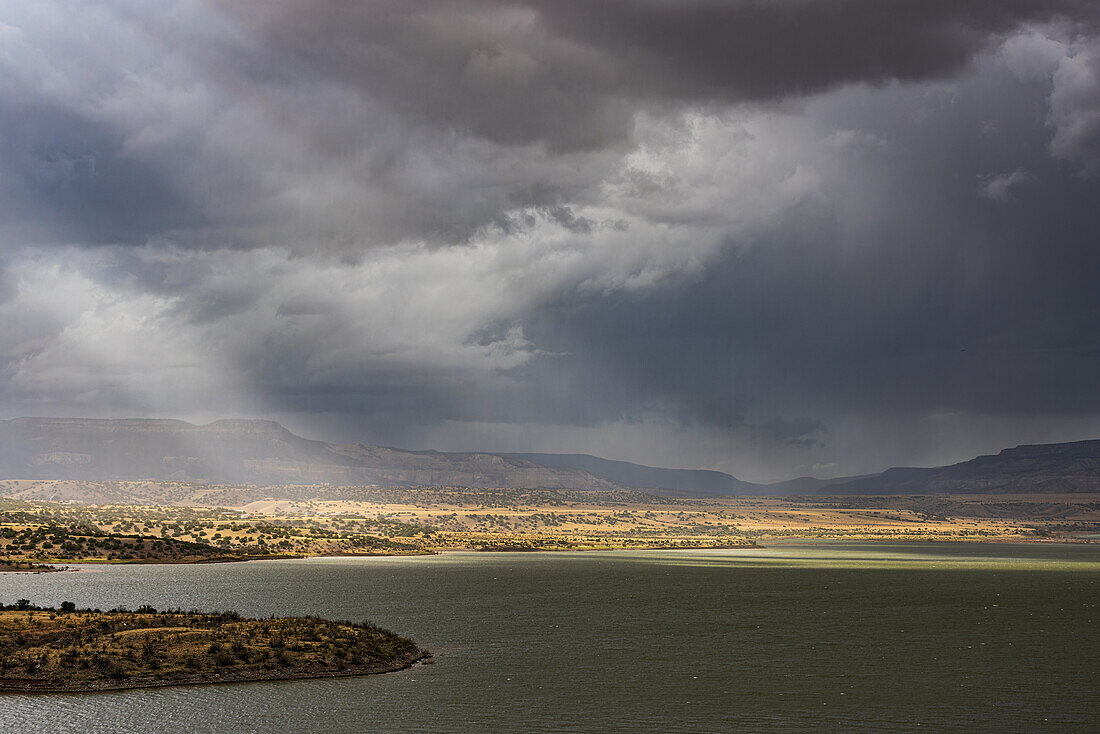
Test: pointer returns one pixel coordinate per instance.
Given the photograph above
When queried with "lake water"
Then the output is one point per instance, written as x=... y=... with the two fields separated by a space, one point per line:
x=793 y=638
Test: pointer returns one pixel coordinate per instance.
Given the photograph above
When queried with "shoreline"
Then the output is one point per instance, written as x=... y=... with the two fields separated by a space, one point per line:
x=15 y=685
x=63 y=565
x=32 y=567
x=198 y=561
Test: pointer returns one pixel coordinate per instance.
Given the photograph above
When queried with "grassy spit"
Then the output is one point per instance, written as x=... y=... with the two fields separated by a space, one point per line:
x=70 y=649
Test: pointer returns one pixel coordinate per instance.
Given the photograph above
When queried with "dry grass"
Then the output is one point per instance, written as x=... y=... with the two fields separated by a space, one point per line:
x=75 y=650
x=324 y=520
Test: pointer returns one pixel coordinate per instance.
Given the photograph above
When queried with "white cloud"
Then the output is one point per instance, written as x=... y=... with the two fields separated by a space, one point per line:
x=998 y=188
x=72 y=341
x=1075 y=107
x=276 y=317
x=1034 y=54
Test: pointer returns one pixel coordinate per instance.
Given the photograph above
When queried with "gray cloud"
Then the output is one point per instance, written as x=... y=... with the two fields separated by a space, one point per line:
x=757 y=236
x=569 y=72
x=1075 y=107
x=998 y=188
x=341 y=125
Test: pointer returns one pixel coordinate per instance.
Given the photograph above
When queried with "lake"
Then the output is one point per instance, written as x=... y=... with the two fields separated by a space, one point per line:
x=806 y=637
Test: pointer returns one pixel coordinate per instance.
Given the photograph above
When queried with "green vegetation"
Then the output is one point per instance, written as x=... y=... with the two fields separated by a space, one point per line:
x=8 y=565
x=193 y=494
x=44 y=531
x=49 y=540
x=286 y=521
x=70 y=649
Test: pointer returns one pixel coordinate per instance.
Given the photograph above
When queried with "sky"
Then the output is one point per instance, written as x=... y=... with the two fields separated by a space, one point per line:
x=771 y=237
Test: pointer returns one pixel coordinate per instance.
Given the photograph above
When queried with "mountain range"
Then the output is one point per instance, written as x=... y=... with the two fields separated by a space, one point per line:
x=264 y=452
x=1040 y=468
x=247 y=451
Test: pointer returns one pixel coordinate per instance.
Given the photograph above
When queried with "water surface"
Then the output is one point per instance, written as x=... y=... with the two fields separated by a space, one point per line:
x=793 y=638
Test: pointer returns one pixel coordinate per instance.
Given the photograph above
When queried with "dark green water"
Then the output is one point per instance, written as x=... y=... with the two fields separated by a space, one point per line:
x=795 y=638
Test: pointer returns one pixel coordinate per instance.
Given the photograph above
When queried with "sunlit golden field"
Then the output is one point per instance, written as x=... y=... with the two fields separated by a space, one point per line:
x=168 y=522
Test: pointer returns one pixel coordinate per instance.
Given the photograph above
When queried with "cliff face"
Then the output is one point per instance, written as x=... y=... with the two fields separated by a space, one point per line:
x=1045 y=468
x=246 y=451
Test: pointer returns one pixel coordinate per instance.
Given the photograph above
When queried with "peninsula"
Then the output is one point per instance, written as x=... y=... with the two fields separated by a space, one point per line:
x=70 y=649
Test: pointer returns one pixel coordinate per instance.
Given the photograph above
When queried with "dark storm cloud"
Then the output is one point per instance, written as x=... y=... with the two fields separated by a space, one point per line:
x=343 y=125
x=935 y=299
x=67 y=178
x=778 y=237
x=570 y=72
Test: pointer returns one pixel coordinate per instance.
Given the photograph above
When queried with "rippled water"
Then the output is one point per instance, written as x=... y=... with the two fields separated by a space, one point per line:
x=793 y=638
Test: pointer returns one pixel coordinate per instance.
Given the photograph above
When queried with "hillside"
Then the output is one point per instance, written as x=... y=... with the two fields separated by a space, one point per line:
x=672 y=482
x=1056 y=468
x=247 y=451
x=258 y=452
x=806 y=485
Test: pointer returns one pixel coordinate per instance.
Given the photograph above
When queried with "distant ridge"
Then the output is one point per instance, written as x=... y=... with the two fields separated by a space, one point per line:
x=1039 y=468
x=264 y=452
x=810 y=485
x=676 y=482
x=246 y=451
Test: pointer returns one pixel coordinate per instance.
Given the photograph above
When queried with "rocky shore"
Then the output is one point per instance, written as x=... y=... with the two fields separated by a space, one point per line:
x=31 y=685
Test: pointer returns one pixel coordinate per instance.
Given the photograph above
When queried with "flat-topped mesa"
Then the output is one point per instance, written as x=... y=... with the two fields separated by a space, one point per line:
x=245 y=425
x=99 y=424
x=247 y=451
x=69 y=649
